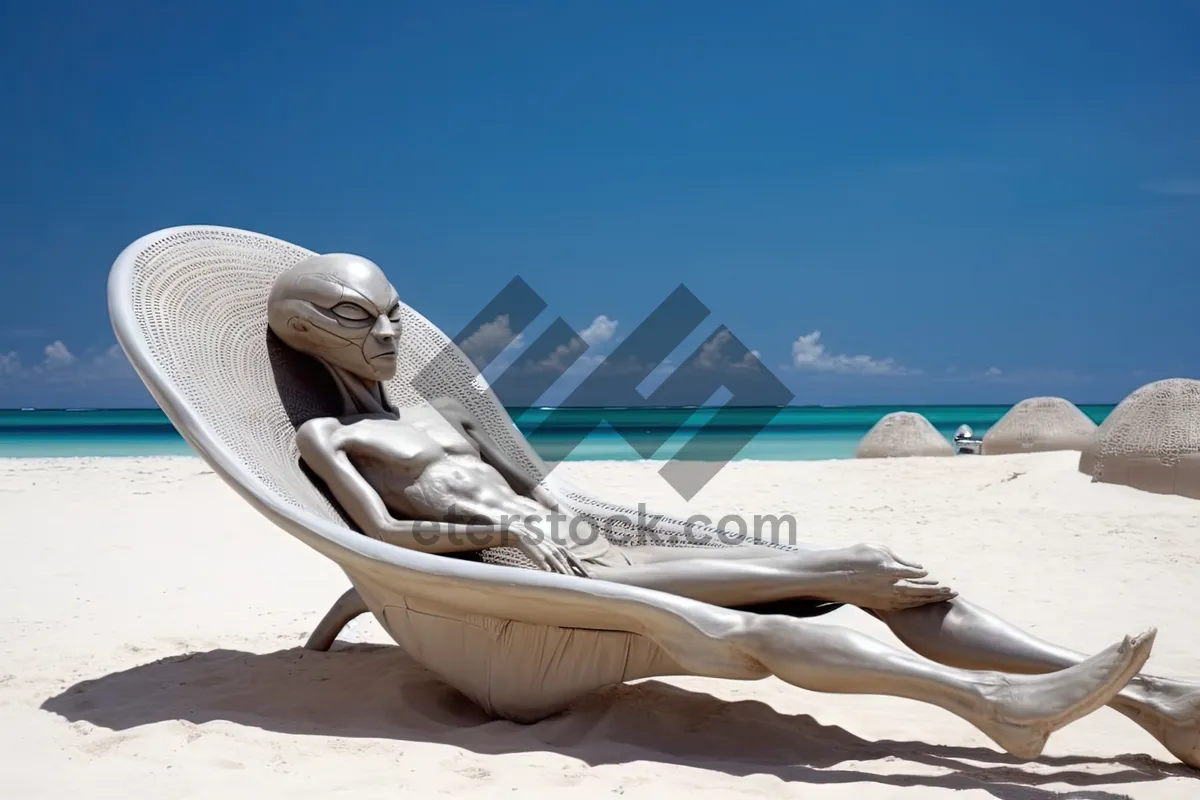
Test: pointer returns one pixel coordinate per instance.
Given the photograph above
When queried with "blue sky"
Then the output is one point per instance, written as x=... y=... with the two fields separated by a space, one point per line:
x=888 y=202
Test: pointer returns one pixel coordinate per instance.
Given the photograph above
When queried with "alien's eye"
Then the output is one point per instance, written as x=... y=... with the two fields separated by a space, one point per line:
x=394 y=313
x=350 y=312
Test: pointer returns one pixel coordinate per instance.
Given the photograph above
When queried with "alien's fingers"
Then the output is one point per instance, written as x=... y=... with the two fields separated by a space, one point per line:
x=906 y=562
x=550 y=558
x=926 y=591
x=912 y=587
x=563 y=560
x=578 y=564
x=557 y=562
x=906 y=572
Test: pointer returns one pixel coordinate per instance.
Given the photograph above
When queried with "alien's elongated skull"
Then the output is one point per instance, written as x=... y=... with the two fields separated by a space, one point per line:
x=341 y=309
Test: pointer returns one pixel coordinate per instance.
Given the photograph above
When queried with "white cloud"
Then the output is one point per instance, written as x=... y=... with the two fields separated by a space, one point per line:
x=598 y=332
x=56 y=355
x=993 y=371
x=809 y=354
x=712 y=354
x=10 y=363
x=601 y=330
x=60 y=365
x=491 y=339
x=571 y=360
x=560 y=360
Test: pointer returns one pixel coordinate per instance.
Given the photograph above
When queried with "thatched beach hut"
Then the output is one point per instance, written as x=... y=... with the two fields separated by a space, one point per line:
x=903 y=433
x=1151 y=441
x=1037 y=425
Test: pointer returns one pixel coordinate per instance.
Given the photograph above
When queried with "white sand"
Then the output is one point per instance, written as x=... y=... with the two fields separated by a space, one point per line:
x=150 y=620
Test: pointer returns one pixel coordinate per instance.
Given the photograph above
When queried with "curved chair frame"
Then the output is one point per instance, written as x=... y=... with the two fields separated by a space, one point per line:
x=540 y=639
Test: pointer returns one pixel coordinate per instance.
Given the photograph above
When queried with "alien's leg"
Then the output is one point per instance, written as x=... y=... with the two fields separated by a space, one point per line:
x=960 y=634
x=746 y=578
x=1018 y=712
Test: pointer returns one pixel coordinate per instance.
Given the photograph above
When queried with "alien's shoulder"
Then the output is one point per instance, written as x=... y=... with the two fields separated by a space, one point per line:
x=318 y=431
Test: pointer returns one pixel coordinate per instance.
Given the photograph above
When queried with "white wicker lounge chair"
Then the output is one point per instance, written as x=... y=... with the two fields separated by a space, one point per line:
x=188 y=306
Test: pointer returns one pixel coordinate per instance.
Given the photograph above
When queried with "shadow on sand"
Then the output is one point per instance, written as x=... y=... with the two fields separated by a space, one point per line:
x=377 y=691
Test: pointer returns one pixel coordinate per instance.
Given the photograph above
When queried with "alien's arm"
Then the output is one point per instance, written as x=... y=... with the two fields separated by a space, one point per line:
x=322 y=444
x=518 y=478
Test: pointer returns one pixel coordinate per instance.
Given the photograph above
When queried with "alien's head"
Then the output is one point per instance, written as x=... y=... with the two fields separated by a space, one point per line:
x=341 y=309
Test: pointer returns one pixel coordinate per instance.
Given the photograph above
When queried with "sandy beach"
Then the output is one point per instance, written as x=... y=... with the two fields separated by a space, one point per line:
x=150 y=625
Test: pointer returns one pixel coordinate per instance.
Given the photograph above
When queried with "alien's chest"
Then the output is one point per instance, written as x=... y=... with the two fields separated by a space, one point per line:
x=430 y=424
x=412 y=440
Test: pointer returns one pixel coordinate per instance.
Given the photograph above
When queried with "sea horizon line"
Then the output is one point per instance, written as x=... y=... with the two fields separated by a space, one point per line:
x=77 y=409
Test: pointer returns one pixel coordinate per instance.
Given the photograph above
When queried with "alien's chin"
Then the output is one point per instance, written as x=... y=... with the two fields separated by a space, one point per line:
x=382 y=367
x=384 y=371
x=378 y=369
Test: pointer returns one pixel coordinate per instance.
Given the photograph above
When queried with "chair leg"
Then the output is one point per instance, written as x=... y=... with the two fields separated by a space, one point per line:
x=347 y=607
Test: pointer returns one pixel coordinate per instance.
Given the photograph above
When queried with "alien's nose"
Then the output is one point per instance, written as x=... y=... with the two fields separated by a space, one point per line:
x=384 y=329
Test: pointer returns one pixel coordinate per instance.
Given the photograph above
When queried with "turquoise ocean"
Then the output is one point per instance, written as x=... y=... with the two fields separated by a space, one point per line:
x=795 y=433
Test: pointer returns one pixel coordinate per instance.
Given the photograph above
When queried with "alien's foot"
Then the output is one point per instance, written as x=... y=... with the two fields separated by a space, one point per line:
x=1023 y=710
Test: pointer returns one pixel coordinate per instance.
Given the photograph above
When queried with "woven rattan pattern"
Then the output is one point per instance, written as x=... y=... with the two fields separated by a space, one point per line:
x=200 y=301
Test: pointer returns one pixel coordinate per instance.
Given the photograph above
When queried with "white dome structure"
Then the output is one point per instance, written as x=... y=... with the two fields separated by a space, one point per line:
x=901 y=434
x=1037 y=425
x=1151 y=441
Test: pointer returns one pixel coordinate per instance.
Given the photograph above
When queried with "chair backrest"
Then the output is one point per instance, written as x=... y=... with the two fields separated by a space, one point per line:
x=188 y=306
x=198 y=314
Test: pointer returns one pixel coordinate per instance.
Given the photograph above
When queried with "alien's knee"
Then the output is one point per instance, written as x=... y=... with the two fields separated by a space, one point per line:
x=765 y=633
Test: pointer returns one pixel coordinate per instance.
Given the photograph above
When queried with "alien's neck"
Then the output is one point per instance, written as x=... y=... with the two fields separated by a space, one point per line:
x=359 y=396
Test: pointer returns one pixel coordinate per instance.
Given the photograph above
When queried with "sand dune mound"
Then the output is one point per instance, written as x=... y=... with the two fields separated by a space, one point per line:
x=1151 y=441
x=903 y=433
x=1039 y=424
